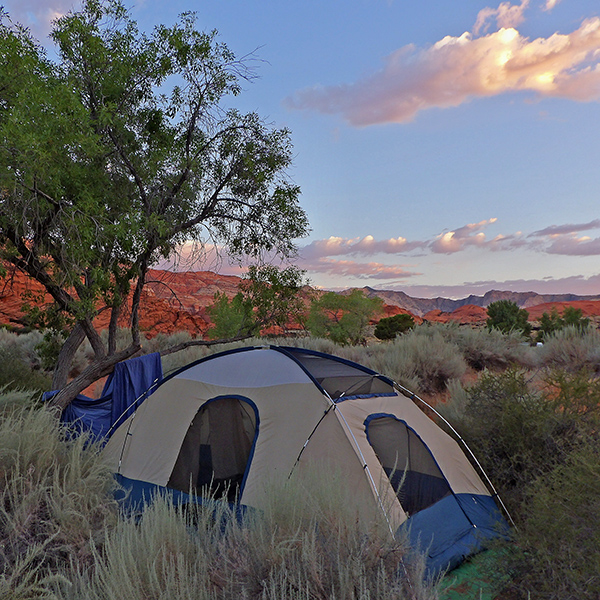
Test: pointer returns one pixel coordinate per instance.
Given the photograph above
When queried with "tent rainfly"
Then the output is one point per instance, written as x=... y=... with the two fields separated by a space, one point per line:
x=241 y=418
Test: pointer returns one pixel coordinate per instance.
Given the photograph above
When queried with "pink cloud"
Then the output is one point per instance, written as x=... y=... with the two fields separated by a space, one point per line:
x=455 y=241
x=39 y=14
x=506 y=15
x=567 y=228
x=336 y=246
x=349 y=268
x=457 y=69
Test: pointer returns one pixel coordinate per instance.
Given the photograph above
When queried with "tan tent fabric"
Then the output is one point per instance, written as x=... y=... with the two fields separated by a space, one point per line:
x=297 y=424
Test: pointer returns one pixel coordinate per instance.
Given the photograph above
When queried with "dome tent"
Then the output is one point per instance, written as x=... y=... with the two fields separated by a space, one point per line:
x=242 y=418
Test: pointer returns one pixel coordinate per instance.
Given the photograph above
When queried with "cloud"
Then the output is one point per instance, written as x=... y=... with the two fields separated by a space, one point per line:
x=507 y=15
x=457 y=69
x=455 y=241
x=336 y=246
x=550 y=4
x=554 y=230
x=39 y=14
x=359 y=270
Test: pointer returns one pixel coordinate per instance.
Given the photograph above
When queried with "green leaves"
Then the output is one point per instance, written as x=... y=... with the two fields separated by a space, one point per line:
x=343 y=318
x=507 y=316
x=120 y=151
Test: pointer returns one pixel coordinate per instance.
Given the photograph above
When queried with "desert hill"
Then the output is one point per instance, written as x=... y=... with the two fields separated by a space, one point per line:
x=174 y=301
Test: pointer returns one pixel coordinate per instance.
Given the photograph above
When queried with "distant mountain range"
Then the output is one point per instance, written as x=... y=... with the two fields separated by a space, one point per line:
x=174 y=301
x=421 y=306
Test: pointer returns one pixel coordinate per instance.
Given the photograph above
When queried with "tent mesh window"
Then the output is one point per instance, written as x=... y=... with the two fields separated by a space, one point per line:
x=410 y=466
x=341 y=379
x=216 y=449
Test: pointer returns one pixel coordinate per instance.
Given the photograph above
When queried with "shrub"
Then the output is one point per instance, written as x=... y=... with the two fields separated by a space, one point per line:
x=421 y=360
x=343 y=318
x=506 y=316
x=389 y=327
x=552 y=322
x=571 y=349
x=20 y=363
x=560 y=531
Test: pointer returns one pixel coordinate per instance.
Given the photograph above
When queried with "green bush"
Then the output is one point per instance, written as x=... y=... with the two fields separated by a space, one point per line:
x=421 y=360
x=491 y=349
x=552 y=322
x=506 y=316
x=389 y=327
x=560 y=531
x=20 y=363
x=343 y=318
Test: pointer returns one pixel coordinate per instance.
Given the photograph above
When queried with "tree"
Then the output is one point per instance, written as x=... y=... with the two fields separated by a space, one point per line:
x=553 y=321
x=506 y=316
x=343 y=318
x=268 y=297
x=114 y=155
x=389 y=327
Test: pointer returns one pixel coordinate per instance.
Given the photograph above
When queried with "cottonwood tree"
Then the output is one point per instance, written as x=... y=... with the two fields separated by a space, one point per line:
x=118 y=151
x=268 y=297
x=343 y=318
x=506 y=316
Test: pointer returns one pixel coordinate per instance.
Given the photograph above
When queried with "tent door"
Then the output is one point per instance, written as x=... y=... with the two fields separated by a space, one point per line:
x=408 y=462
x=215 y=452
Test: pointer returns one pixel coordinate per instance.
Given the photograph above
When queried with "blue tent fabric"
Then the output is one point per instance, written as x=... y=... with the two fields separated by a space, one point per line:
x=131 y=382
x=457 y=526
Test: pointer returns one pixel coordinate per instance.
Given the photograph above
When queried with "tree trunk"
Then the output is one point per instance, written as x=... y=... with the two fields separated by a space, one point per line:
x=99 y=368
x=65 y=357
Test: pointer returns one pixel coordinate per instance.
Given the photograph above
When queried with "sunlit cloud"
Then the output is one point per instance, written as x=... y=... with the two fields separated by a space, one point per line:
x=455 y=241
x=359 y=270
x=458 y=68
x=507 y=15
x=336 y=246
x=550 y=4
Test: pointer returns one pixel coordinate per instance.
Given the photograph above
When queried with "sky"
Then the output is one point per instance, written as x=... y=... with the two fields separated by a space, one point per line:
x=443 y=148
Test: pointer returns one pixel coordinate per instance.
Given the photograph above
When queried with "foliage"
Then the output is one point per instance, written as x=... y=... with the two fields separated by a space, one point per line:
x=552 y=322
x=560 y=530
x=421 y=360
x=268 y=297
x=20 y=364
x=117 y=152
x=231 y=317
x=343 y=318
x=490 y=348
x=389 y=327
x=520 y=432
x=572 y=349
x=506 y=316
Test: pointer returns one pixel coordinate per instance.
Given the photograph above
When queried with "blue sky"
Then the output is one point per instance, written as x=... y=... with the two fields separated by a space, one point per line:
x=442 y=147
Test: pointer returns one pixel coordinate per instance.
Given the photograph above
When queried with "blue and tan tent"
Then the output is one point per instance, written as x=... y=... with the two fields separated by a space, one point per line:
x=239 y=419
